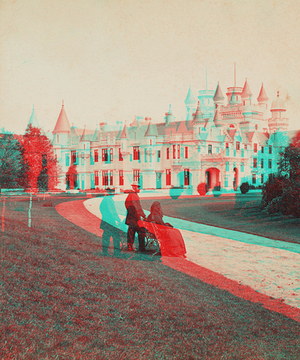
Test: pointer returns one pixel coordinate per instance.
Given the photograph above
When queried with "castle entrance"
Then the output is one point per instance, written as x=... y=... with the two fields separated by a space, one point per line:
x=212 y=176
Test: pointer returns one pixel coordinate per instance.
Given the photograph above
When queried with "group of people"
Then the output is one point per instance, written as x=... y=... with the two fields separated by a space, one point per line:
x=135 y=213
x=170 y=239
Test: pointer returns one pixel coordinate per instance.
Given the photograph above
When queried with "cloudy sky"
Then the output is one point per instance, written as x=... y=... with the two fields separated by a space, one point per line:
x=111 y=60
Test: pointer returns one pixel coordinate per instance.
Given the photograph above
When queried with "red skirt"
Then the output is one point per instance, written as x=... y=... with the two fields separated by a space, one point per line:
x=170 y=240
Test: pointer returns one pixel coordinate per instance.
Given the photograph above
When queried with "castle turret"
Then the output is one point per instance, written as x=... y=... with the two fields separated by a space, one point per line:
x=62 y=128
x=190 y=104
x=169 y=116
x=277 y=122
x=263 y=99
x=218 y=97
x=33 y=120
x=246 y=94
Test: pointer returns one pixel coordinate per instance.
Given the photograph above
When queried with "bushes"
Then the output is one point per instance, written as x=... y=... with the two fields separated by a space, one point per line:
x=244 y=187
x=272 y=189
x=281 y=194
x=202 y=188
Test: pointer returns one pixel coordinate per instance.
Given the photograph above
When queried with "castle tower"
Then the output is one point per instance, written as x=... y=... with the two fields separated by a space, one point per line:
x=246 y=94
x=62 y=128
x=277 y=122
x=190 y=104
x=33 y=120
x=262 y=98
x=169 y=116
x=218 y=97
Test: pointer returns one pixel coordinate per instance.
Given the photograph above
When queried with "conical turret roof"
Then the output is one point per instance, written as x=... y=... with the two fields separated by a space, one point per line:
x=33 y=120
x=151 y=130
x=62 y=124
x=246 y=93
x=124 y=134
x=190 y=99
x=218 y=94
x=262 y=97
x=198 y=116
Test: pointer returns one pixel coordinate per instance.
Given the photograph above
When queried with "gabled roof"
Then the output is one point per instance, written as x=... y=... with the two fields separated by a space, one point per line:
x=124 y=134
x=246 y=93
x=33 y=120
x=231 y=133
x=85 y=136
x=62 y=124
x=263 y=138
x=190 y=99
x=151 y=130
x=262 y=97
x=218 y=94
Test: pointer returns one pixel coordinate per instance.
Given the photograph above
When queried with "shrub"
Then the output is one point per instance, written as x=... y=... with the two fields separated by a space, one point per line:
x=272 y=188
x=244 y=187
x=202 y=188
x=274 y=206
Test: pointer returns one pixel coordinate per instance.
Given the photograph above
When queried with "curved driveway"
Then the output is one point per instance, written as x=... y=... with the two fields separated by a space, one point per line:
x=267 y=266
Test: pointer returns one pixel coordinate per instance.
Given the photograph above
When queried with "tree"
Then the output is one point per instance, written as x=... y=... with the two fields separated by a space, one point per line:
x=11 y=161
x=42 y=166
x=281 y=193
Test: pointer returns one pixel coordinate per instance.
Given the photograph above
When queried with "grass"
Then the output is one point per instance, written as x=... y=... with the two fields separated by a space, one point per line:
x=61 y=298
x=239 y=212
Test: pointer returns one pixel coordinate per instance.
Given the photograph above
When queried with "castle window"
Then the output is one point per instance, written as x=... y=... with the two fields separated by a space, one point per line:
x=82 y=158
x=227 y=166
x=146 y=155
x=270 y=149
x=270 y=164
x=186 y=177
x=96 y=155
x=262 y=178
x=74 y=157
x=209 y=149
x=121 y=178
x=111 y=178
x=255 y=147
x=168 y=177
x=255 y=162
x=158 y=155
x=262 y=149
x=104 y=178
x=253 y=178
x=238 y=145
x=186 y=152
x=96 y=178
x=262 y=163
x=178 y=151
x=104 y=154
x=174 y=151
x=168 y=153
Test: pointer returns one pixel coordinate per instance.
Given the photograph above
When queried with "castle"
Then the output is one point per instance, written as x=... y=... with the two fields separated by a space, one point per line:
x=220 y=144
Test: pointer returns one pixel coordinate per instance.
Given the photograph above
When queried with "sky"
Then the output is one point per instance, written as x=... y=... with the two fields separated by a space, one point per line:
x=114 y=60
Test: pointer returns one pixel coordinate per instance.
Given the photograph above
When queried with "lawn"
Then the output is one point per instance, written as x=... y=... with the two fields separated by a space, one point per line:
x=239 y=212
x=61 y=298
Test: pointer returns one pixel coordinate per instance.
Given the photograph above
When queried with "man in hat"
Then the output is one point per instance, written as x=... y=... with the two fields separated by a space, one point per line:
x=134 y=214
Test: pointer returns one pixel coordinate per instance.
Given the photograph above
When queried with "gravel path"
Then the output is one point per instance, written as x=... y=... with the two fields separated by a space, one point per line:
x=267 y=266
